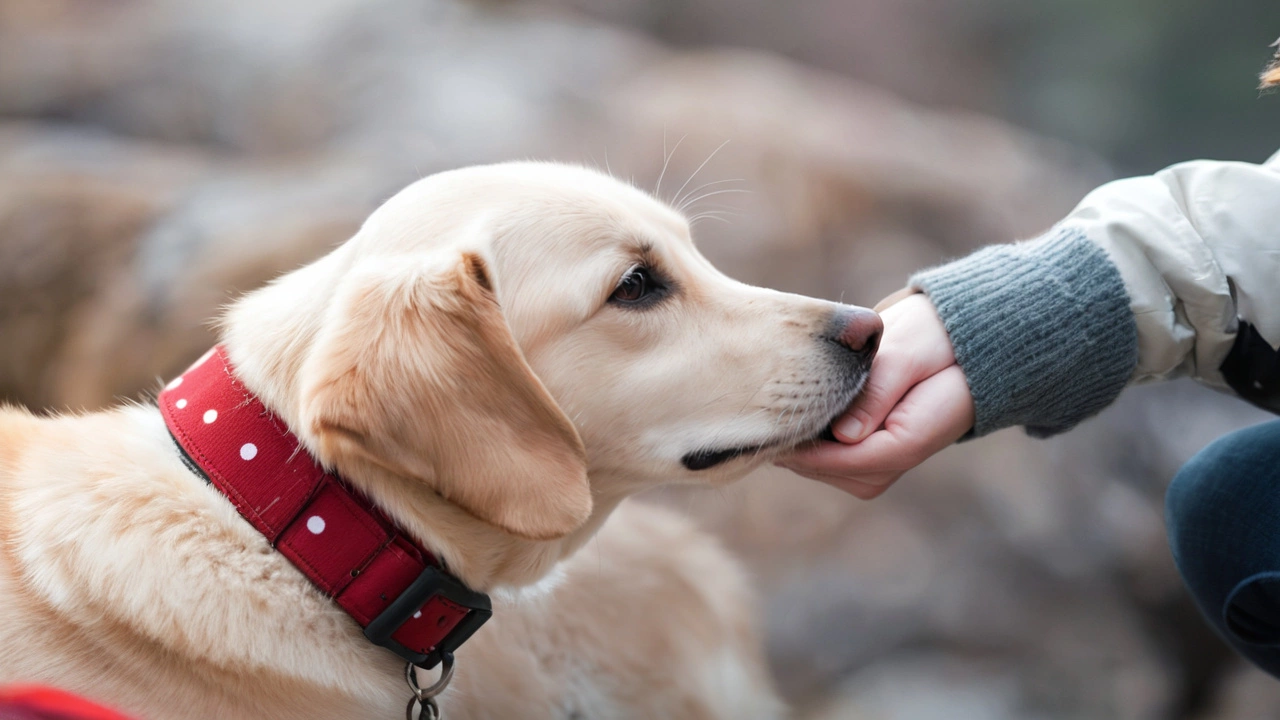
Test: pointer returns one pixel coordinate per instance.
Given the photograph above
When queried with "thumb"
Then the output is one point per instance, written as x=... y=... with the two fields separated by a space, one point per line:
x=886 y=385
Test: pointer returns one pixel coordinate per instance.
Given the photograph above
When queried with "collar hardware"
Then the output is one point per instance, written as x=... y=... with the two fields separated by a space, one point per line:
x=431 y=586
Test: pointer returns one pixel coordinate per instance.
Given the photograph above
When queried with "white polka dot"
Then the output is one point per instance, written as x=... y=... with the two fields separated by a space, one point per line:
x=182 y=402
x=417 y=615
x=315 y=524
x=210 y=416
x=248 y=451
x=174 y=383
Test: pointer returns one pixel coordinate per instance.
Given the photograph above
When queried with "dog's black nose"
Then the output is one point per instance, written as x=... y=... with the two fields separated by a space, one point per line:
x=859 y=330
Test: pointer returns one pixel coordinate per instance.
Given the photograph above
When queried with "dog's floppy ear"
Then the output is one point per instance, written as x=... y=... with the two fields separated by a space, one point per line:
x=415 y=371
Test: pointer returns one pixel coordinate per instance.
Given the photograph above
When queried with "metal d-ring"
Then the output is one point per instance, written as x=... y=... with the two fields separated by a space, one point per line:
x=429 y=710
x=426 y=697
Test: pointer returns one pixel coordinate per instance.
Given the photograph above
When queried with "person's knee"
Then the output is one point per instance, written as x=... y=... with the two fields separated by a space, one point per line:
x=1223 y=485
x=1251 y=615
x=1195 y=500
x=1223 y=516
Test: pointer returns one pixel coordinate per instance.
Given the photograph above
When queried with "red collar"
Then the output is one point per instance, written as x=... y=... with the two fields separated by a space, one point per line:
x=397 y=591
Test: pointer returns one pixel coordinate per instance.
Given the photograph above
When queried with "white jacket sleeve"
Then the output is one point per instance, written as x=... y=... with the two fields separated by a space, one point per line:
x=1172 y=274
x=1198 y=248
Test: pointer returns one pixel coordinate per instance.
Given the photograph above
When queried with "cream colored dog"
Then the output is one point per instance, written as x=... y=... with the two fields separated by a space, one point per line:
x=498 y=358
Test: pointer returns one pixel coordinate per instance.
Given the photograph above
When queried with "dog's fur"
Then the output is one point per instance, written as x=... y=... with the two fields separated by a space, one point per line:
x=461 y=361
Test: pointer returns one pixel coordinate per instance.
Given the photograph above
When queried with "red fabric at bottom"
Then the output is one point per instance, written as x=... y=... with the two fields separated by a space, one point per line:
x=34 y=702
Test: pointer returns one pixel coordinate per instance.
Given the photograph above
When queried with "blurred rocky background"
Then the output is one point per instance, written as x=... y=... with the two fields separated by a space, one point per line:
x=159 y=157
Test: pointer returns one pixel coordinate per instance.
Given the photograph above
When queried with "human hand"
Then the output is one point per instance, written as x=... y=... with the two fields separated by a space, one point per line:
x=916 y=403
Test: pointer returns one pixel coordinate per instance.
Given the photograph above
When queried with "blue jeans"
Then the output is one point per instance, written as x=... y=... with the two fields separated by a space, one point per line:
x=1223 y=513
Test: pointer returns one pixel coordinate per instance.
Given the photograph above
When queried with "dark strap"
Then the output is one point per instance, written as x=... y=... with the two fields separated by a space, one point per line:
x=1252 y=369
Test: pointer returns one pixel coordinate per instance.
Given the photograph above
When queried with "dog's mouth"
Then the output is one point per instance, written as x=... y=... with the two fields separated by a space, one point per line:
x=850 y=369
x=707 y=458
x=836 y=402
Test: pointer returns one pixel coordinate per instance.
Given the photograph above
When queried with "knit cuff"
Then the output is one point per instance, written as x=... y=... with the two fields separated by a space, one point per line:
x=1042 y=330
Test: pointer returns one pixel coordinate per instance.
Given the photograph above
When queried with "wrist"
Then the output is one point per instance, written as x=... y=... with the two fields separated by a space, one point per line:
x=1042 y=330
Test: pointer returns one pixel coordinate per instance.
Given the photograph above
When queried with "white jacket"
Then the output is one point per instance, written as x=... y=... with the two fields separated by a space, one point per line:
x=1198 y=247
x=1177 y=273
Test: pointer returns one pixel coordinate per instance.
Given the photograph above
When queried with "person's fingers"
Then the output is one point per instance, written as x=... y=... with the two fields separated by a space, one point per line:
x=892 y=377
x=880 y=452
x=934 y=414
x=915 y=347
x=886 y=385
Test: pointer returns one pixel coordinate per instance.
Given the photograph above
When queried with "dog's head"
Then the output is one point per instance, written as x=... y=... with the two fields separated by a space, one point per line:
x=518 y=337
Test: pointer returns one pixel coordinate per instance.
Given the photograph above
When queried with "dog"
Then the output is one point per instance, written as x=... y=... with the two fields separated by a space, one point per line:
x=494 y=362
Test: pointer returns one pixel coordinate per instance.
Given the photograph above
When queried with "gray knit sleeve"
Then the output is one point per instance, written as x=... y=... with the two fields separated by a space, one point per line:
x=1042 y=330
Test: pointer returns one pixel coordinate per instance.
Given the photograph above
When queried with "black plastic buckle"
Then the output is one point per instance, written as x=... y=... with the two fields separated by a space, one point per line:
x=430 y=583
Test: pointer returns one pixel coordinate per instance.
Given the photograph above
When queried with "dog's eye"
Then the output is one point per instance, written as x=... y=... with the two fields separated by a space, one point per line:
x=635 y=287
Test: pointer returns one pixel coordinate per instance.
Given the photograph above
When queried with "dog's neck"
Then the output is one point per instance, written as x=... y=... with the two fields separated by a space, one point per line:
x=268 y=334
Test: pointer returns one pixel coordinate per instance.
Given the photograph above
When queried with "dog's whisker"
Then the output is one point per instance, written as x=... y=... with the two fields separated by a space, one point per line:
x=789 y=425
x=677 y=201
x=796 y=420
x=725 y=191
x=666 y=160
x=688 y=205
x=716 y=213
x=713 y=183
x=708 y=216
